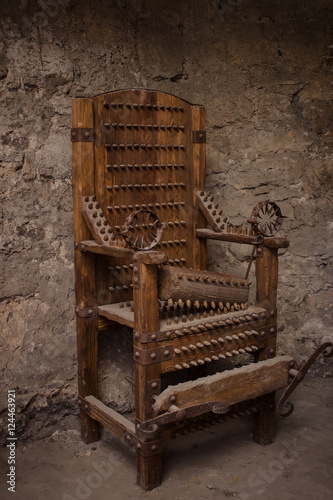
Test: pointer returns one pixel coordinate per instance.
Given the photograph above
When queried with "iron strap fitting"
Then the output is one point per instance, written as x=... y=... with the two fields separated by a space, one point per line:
x=145 y=338
x=256 y=252
x=199 y=136
x=155 y=355
x=259 y=244
x=82 y=134
x=85 y=312
x=146 y=449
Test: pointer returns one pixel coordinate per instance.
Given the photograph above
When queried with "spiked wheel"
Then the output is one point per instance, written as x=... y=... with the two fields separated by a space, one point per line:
x=266 y=218
x=142 y=230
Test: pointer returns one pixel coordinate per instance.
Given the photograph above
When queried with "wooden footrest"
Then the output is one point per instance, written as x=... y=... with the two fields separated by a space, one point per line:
x=231 y=387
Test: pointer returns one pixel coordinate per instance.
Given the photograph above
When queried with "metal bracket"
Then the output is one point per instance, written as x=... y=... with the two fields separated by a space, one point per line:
x=145 y=338
x=155 y=355
x=175 y=414
x=256 y=253
x=85 y=312
x=199 y=136
x=82 y=135
x=146 y=449
x=284 y=407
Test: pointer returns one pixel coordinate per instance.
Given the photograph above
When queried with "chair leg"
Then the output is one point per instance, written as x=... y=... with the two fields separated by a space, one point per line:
x=87 y=374
x=90 y=428
x=264 y=422
x=149 y=470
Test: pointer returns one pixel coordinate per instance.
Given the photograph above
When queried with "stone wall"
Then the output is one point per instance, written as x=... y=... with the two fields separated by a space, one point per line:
x=263 y=71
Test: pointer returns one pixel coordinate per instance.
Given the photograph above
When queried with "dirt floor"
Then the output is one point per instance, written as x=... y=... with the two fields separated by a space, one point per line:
x=219 y=462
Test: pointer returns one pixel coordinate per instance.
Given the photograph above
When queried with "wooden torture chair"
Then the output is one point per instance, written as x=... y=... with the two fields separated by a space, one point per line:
x=140 y=222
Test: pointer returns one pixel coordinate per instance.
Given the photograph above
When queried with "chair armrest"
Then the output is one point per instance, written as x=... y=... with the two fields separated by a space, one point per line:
x=112 y=251
x=147 y=257
x=269 y=242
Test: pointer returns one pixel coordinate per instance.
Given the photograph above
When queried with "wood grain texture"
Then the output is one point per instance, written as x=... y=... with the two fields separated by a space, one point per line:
x=146 y=320
x=242 y=238
x=204 y=285
x=85 y=281
x=267 y=279
x=199 y=173
x=232 y=386
x=109 y=418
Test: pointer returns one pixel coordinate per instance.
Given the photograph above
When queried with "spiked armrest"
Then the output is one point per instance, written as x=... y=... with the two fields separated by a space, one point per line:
x=269 y=242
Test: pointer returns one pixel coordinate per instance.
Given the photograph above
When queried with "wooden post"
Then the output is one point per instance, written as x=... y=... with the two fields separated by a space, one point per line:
x=266 y=295
x=85 y=290
x=146 y=320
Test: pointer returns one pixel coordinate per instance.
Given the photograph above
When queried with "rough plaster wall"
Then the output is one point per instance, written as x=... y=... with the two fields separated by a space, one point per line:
x=263 y=71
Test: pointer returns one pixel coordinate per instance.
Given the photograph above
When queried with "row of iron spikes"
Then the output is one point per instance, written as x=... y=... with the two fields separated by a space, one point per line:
x=170 y=223
x=180 y=305
x=145 y=206
x=178 y=262
x=144 y=125
x=205 y=421
x=204 y=314
x=217 y=216
x=211 y=279
x=170 y=185
x=204 y=326
x=209 y=359
x=144 y=146
x=130 y=105
x=214 y=342
x=221 y=340
x=144 y=166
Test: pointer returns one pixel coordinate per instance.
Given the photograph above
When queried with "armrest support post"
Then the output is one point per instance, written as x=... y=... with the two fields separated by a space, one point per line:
x=267 y=279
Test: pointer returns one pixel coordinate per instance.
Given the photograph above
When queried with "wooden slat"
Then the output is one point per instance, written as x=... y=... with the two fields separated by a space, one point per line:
x=110 y=419
x=92 y=246
x=120 y=315
x=230 y=387
x=242 y=238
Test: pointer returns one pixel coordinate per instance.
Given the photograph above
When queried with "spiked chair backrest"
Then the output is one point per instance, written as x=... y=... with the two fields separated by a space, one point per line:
x=143 y=150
